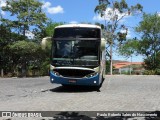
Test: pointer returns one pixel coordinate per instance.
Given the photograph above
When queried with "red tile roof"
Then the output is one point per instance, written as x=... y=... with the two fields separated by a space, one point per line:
x=125 y=64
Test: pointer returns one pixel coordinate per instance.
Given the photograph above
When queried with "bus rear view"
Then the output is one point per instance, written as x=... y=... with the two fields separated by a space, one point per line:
x=77 y=56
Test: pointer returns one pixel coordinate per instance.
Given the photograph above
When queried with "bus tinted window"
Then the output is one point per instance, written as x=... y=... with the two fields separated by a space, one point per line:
x=77 y=33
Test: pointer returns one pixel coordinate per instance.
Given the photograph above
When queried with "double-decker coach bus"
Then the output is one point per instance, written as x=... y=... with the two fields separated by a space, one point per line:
x=78 y=55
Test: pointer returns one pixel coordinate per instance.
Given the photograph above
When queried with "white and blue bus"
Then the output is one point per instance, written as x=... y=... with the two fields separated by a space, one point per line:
x=78 y=55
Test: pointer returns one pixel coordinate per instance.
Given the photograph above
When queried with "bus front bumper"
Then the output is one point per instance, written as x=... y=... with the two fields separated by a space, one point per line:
x=91 y=81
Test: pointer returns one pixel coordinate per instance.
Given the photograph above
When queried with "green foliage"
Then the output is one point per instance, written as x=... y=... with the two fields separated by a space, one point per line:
x=7 y=36
x=152 y=72
x=23 y=53
x=21 y=57
x=118 y=10
x=149 y=45
x=149 y=72
x=24 y=48
x=100 y=9
x=45 y=67
x=28 y=13
x=158 y=71
x=113 y=11
x=18 y=54
x=121 y=36
x=129 y=47
x=152 y=62
x=49 y=29
x=107 y=66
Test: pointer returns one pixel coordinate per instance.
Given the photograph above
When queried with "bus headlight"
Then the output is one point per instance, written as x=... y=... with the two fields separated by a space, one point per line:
x=56 y=73
x=91 y=75
x=52 y=79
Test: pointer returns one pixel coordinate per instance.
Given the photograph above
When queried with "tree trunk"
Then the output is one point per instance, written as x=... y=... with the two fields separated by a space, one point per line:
x=2 y=73
x=24 y=73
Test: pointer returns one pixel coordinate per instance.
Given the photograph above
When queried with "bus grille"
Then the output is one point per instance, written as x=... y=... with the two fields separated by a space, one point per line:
x=73 y=73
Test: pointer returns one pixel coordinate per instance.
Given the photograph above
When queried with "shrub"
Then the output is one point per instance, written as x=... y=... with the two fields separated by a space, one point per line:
x=149 y=72
x=157 y=71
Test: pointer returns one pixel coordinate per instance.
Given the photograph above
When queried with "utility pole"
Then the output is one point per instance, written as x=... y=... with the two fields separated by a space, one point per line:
x=111 y=64
x=131 y=66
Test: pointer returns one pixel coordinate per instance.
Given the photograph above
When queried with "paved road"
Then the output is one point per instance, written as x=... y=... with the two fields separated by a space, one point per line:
x=118 y=93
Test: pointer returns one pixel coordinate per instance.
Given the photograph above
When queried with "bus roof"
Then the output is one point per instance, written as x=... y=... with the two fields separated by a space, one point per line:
x=79 y=25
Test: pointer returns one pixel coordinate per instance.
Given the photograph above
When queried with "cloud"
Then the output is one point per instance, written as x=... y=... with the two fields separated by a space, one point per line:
x=158 y=13
x=2 y=3
x=55 y=10
x=129 y=34
x=98 y=18
x=73 y=22
x=2 y=12
x=110 y=15
x=46 y=5
x=52 y=10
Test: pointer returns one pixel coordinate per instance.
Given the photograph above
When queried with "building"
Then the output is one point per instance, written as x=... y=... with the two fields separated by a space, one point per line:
x=124 y=67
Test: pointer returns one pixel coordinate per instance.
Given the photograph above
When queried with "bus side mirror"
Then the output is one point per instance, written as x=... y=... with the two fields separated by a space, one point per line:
x=103 y=44
x=44 y=42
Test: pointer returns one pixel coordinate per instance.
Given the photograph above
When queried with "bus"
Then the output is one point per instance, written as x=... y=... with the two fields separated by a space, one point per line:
x=77 y=55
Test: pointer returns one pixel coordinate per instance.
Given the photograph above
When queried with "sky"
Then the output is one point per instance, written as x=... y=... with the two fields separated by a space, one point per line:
x=78 y=11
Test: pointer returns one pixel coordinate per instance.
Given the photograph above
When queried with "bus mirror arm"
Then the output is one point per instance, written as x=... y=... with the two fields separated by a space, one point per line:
x=44 y=42
x=103 y=44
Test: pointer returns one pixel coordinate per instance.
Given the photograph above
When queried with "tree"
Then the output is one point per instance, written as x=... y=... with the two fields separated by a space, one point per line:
x=129 y=47
x=28 y=15
x=149 y=45
x=114 y=11
x=49 y=28
x=23 y=54
x=6 y=37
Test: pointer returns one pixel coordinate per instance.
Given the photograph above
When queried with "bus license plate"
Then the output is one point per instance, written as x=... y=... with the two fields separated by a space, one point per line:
x=72 y=81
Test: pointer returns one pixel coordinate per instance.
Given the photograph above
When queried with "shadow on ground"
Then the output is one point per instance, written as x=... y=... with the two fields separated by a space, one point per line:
x=75 y=89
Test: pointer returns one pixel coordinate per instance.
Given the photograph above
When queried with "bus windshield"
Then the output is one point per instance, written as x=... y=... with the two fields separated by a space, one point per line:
x=75 y=52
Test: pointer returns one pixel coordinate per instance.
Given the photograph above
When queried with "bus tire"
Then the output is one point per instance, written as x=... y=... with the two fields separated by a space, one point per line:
x=97 y=88
x=100 y=85
x=65 y=85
